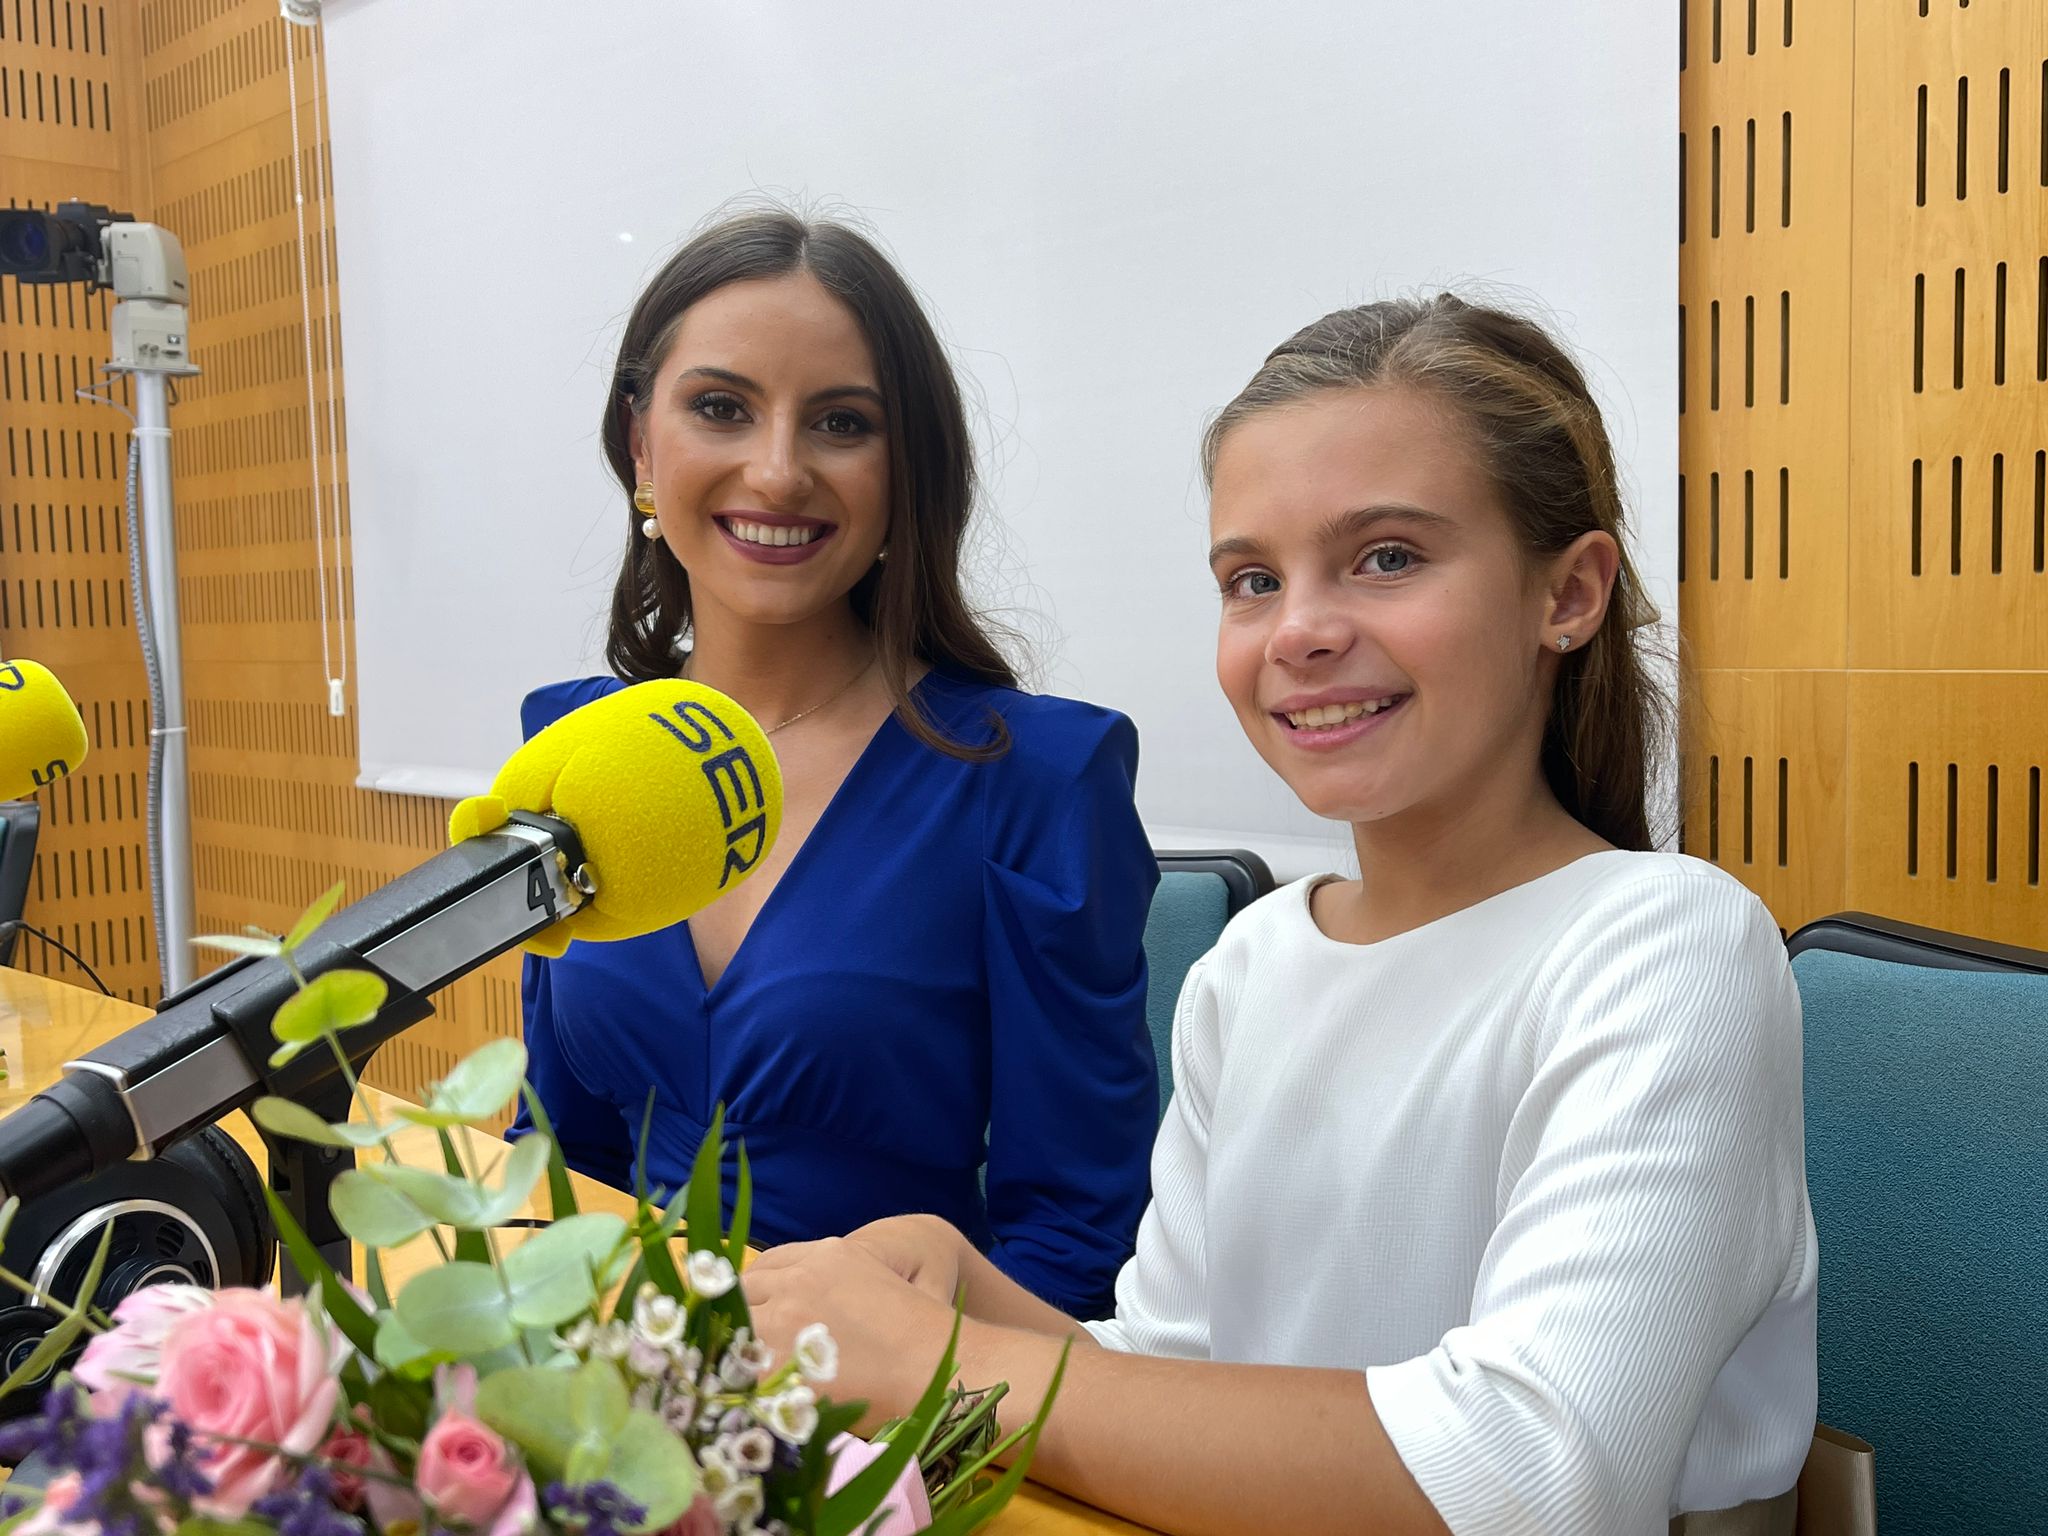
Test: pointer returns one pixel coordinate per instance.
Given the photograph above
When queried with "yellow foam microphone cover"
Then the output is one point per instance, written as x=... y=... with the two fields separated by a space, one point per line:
x=42 y=737
x=673 y=789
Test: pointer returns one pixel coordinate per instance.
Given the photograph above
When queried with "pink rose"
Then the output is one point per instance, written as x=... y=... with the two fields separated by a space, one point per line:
x=256 y=1368
x=465 y=1471
x=347 y=1448
x=130 y=1353
x=58 y=1498
x=700 y=1519
x=904 y=1510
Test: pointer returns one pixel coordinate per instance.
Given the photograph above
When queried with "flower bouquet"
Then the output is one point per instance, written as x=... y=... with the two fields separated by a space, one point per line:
x=586 y=1379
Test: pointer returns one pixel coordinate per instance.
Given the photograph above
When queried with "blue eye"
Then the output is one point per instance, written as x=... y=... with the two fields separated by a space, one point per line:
x=1388 y=560
x=1252 y=584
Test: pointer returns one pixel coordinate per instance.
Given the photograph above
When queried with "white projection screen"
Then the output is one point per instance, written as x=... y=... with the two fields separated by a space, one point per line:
x=1113 y=211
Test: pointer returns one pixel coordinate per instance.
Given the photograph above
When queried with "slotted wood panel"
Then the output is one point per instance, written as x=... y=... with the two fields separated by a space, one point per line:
x=1924 y=554
x=69 y=128
x=1950 y=431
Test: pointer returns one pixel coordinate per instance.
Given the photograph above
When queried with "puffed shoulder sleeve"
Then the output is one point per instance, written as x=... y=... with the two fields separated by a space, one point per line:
x=1074 y=1098
x=591 y=1130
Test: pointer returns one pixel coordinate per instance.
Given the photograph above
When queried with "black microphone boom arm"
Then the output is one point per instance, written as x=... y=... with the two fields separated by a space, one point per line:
x=207 y=1051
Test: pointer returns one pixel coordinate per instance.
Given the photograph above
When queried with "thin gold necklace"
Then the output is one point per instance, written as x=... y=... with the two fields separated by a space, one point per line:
x=832 y=697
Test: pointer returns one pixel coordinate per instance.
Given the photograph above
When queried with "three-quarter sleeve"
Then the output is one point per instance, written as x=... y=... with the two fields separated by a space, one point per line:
x=1068 y=879
x=1652 y=1208
x=1162 y=1294
x=590 y=1130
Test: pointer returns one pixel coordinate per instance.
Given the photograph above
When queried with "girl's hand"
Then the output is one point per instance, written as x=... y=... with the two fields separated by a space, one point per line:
x=889 y=1333
x=924 y=1250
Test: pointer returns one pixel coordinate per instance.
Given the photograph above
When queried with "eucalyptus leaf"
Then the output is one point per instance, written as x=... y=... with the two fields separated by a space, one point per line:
x=459 y=1308
x=284 y=1053
x=646 y=1468
x=288 y=1117
x=239 y=944
x=396 y=1348
x=315 y=915
x=373 y=1213
x=530 y=1407
x=329 y=1003
x=550 y=1273
x=444 y=1197
x=598 y=1403
x=482 y=1083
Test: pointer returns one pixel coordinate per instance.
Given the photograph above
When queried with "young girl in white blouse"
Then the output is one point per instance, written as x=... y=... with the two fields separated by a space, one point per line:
x=1480 y=1204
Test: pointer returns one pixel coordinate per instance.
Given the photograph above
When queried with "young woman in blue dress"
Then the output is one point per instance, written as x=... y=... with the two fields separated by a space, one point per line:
x=1480 y=1203
x=940 y=964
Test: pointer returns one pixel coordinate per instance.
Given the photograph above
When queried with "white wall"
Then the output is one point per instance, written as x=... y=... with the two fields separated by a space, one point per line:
x=1114 y=211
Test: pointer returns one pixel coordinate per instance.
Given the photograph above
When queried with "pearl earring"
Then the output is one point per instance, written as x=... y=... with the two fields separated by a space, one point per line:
x=643 y=498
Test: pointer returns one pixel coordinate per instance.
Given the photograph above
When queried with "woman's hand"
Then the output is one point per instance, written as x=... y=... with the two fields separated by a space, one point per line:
x=924 y=1250
x=889 y=1332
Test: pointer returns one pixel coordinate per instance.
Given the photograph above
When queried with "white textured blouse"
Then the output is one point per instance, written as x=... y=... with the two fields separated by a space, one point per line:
x=1537 y=1168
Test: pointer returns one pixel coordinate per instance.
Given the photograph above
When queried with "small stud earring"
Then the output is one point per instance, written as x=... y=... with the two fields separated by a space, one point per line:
x=1564 y=642
x=881 y=555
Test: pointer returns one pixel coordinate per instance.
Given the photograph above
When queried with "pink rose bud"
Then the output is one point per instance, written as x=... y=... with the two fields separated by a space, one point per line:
x=466 y=1474
x=347 y=1448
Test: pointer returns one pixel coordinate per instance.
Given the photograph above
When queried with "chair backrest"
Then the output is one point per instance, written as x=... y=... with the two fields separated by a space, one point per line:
x=1198 y=893
x=19 y=822
x=1927 y=1165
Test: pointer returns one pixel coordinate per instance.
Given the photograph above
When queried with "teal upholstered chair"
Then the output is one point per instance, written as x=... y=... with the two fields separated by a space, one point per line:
x=19 y=821
x=1927 y=1165
x=1198 y=893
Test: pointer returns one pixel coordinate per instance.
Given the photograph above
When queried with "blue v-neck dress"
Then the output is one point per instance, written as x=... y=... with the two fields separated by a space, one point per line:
x=951 y=968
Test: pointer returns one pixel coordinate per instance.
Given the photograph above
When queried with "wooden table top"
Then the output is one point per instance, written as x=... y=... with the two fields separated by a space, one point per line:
x=45 y=1023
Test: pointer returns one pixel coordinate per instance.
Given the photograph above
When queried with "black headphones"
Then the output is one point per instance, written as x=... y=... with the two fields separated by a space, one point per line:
x=194 y=1215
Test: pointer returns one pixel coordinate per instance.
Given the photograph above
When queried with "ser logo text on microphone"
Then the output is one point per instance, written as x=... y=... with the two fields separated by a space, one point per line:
x=692 y=722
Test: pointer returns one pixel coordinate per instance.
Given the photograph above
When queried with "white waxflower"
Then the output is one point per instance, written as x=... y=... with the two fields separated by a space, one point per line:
x=579 y=1338
x=792 y=1414
x=659 y=1320
x=644 y=1396
x=647 y=1360
x=716 y=1471
x=679 y=1412
x=752 y=1449
x=746 y=1361
x=710 y=1274
x=612 y=1341
x=741 y=1504
x=817 y=1357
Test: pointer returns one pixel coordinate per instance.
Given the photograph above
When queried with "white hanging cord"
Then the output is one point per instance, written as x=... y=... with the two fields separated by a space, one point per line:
x=330 y=304
x=303 y=16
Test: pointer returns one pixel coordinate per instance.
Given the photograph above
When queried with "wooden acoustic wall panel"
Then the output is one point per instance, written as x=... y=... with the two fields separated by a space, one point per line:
x=68 y=129
x=276 y=815
x=1950 y=385
x=1764 y=793
x=1765 y=121
x=1947 y=800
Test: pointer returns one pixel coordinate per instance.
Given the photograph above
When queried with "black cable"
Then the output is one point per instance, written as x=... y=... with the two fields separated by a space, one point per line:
x=16 y=925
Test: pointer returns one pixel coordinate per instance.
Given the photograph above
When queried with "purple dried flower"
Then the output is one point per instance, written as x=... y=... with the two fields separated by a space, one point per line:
x=600 y=1508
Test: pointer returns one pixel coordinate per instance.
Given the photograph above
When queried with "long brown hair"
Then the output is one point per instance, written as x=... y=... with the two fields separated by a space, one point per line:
x=912 y=602
x=1546 y=448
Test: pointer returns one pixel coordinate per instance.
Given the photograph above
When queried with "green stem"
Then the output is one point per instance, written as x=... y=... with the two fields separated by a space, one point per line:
x=965 y=1477
x=972 y=1420
x=61 y=1308
x=362 y=1100
x=467 y=1162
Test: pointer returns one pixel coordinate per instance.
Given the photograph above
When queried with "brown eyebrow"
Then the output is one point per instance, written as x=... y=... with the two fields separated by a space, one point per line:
x=741 y=381
x=1345 y=525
